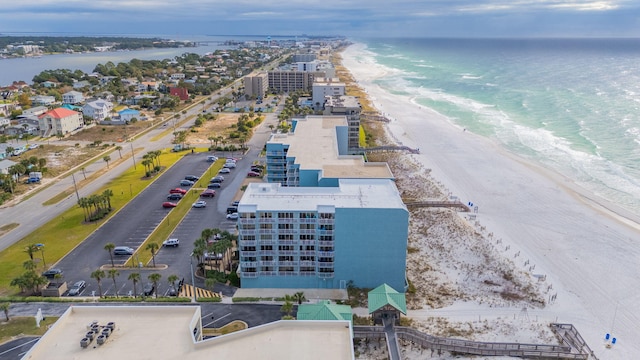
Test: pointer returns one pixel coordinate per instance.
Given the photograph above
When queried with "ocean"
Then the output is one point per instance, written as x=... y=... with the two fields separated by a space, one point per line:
x=570 y=105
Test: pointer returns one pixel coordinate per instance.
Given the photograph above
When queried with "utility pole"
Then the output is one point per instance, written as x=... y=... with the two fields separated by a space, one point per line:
x=75 y=186
x=133 y=156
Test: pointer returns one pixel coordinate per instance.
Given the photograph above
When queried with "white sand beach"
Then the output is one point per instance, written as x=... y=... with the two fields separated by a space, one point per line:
x=537 y=220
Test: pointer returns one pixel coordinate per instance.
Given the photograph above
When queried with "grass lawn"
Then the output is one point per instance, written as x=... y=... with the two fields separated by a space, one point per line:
x=23 y=325
x=65 y=232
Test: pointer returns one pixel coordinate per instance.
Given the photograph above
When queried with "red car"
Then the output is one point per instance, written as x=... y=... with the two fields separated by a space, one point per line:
x=169 y=204
x=253 y=174
x=178 y=191
x=208 y=193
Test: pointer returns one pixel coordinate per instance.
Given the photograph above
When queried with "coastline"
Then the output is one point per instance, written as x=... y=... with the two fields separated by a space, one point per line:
x=559 y=227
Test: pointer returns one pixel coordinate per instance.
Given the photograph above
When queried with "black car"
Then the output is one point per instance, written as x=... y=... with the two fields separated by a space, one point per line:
x=235 y=203
x=191 y=178
x=174 y=197
x=148 y=289
x=232 y=209
x=51 y=273
x=214 y=186
x=256 y=169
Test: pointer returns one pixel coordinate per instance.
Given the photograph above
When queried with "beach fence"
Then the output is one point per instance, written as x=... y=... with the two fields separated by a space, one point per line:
x=438 y=203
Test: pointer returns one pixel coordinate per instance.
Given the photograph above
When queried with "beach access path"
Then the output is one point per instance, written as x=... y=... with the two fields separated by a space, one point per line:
x=589 y=254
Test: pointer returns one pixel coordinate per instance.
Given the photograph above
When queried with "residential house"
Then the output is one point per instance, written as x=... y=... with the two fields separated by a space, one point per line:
x=50 y=84
x=4 y=122
x=177 y=76
x=72 y=97
x=59 y=121
x=127 y=114
x=180 y=92
x=97 y=110
x=43 y=100
x=34 y=111
x=81 y=84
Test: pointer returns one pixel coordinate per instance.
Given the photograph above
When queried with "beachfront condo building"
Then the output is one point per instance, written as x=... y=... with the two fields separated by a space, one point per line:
x=349 y=107
x=324 y=218
x=323 y=237
x=289 y=81
x=316 y=153
x=323 y=87
x=257 y=85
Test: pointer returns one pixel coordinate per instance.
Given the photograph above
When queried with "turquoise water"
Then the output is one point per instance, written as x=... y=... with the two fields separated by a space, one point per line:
x=571 y=105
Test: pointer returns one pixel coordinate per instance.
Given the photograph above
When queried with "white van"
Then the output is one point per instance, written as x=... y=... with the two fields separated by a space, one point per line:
x=122 y=250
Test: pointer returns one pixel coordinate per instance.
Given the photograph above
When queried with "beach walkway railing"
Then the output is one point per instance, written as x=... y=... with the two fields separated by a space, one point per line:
x=460 y=346
x=388 y=148
x=438 y=203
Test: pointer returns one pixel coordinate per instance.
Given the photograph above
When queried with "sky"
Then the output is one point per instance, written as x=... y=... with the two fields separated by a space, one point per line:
x=351 y=18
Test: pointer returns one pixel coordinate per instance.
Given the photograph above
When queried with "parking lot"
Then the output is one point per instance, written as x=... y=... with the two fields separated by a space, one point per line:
x=136 y=221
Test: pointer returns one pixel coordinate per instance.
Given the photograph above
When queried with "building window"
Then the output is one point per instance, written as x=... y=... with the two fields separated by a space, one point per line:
x=266 y=226
x=285 y=237
x=285 y=248
x=266 y=237
x=307 y=226
x=307 y=215
x=307 y=237
x=326 y=237
x=266 y=215
x=327 y=215
x=285 y=215
x=266 y=248
x=247 y=237
x=285 y=226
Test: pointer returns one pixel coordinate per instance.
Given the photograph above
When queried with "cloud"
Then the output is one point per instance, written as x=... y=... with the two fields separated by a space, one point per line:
x=349 y=17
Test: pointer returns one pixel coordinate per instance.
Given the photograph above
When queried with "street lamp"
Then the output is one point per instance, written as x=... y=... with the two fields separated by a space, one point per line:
x=193 y=280
x=41 y=248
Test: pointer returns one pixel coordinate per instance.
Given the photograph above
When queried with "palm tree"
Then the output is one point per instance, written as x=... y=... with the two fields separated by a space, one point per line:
x=157 y=154
x=299 y=297
x=106 y=159
x=287 y=307
x=152 y=247
x=29 y=265
x=155 y=278
x=31 y=249
x=119 y=148
x=107 y=194
x=84 y=204
x=172 y=281
x=134 y=277
x=112 y=274
x=98 y=275
x=83 y=173
x=5 y=307
x=109 y=247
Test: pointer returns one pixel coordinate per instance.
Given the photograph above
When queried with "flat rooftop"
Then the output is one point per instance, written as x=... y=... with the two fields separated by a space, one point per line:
x=351 y=193
x=314 y=144
x=165 y=332
x=342 y=101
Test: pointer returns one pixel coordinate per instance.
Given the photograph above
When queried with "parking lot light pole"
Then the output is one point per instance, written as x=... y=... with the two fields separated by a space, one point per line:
x=41 y=248
x=193 y=281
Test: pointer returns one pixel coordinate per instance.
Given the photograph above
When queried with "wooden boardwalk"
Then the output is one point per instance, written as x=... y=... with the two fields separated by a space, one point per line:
x=569 y=350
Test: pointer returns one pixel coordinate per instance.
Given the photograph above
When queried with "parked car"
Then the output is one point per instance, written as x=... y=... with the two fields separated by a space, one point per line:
x=186 y=183
x=212 y=256
x=224 y=171
x=178 y=191
x=214 y=186
x=148 y=289
x=235 y=203
x=229 y=165
x=232 y=216
x=253 y=174
x=199 y=204
x=191 y=178
x=174 y=196
x=208 y=193
x=122 y=250
x=169 y=204
x=171 y=242
x=51 y=273
x=232 y=209
x=256 y=169
x=217 y=179
x=77 y=288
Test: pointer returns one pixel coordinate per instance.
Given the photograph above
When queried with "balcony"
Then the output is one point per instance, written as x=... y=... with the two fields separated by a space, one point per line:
x=326 y=221
x=248 y=253
x=268 y=273
x=266 y=220
x=267 y=242
x=307 y=253
x=325 y=265
x=268 y=253
x=287 y=263
x=248 y=243
x=267 y=263
x=326 y=243
x=287 y=242
x=307 y=273
x=325 y=275
x=286 y=231
x=287 y=273
x=287 y=252
x=307 y=263
x=286 y=220
x=247 y=274
x=325 y=232
x=308 y=220
x=246 y=221
x=248 y=264
x=266 y=231
x=307 y=242
x=326 y=254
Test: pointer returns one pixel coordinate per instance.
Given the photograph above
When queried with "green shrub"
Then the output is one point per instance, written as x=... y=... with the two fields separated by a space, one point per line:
x=245 y=299
x=209 y=299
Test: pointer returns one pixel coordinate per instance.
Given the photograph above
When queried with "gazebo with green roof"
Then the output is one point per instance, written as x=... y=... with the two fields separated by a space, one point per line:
x=385 y=302
x=324 y=310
